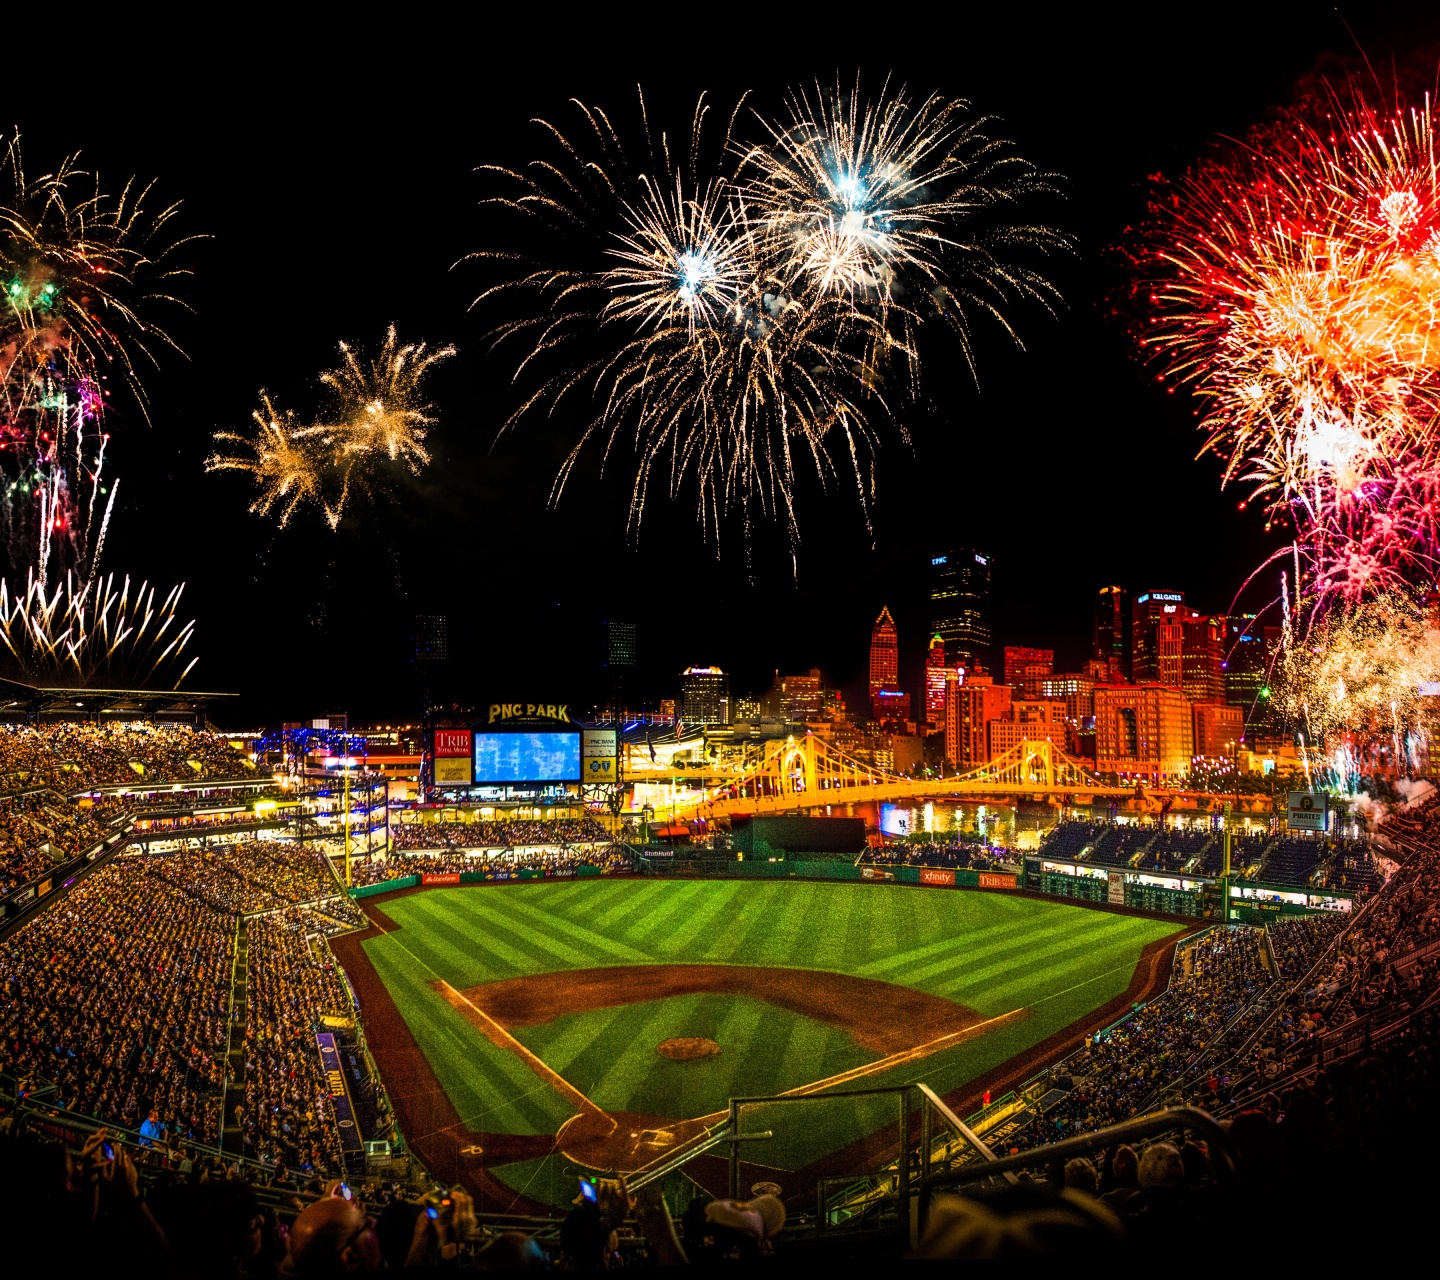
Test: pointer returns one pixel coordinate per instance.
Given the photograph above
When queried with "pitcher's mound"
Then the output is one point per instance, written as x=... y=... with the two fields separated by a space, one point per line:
x=687 y=1048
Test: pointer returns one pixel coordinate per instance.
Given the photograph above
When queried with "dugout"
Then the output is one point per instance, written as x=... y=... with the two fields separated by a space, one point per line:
x=781 y=837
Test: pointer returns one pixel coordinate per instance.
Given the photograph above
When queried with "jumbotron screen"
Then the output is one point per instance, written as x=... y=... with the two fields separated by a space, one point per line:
x=526 y=757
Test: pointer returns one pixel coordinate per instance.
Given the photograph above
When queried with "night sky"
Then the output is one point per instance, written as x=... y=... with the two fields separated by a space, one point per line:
x=335 y=181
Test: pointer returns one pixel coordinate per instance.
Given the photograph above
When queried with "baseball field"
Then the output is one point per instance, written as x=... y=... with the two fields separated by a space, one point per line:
x=528 y=1032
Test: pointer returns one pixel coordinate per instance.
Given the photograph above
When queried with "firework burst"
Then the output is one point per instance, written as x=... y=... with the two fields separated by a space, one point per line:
x=285 y=463
x=89 y=630
x=904 y=206
x=81 y=270
x=379 y=413
x=1360 y=673
x=728 y=311
x=1294 y=285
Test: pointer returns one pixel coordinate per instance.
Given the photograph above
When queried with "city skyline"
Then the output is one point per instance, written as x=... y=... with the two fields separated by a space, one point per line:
x=1073 y=513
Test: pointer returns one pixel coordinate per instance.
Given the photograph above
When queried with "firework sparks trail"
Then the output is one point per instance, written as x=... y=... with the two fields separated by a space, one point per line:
x=904 y=206
x=284 y=462
x=85 y=630
x=1360 y=674
x=379 y=412
x=1295 y=285
x=729 y=310
x=80 y=271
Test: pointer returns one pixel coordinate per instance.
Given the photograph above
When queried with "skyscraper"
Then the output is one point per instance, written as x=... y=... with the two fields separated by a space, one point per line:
x=1026 y=668
x=704 y=696
x=1157 y=639
x=1110 y=638
x=937 y=675
x=960 y=605
x=1203 y=673
x=619 y=656
x=884 y=659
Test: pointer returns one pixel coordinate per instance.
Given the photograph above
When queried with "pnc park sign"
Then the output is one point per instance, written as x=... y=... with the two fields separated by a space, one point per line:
x=502 y=711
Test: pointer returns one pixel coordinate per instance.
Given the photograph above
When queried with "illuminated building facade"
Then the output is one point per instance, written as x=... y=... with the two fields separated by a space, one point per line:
x=1077 y=691
x=1030 y=720
x=1143 y=730
x=1110 y=633
x=971 y=706
x=960 y=605
x=891 y=706
x=1026 y=668
x=1157 y=639
x=937 y=676
x=884 y=659
x=800 y=697
x=1202 y=664
x=704 y=696
x=1218 y=730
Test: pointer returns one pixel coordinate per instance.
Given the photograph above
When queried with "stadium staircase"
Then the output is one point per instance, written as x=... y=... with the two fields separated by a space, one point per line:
x=232 y=1139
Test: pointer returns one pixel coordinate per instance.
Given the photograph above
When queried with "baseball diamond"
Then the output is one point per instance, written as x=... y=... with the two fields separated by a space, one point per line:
x=523 y=1030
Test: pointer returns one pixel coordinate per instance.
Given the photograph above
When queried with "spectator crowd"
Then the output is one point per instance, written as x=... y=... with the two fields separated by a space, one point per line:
x=610 y=858
x=118 y=996
x=511 y=833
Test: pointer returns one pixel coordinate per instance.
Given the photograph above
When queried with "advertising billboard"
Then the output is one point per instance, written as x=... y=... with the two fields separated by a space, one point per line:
x=598 y=755
x=453 y=771
x=1307 y=811
x=452 y=742
x=526 y=757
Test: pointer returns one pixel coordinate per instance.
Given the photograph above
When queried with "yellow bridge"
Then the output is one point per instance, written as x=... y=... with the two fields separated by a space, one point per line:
x=809 y=773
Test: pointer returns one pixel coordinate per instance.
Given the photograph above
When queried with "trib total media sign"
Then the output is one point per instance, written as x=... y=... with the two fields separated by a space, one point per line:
x=453 y=764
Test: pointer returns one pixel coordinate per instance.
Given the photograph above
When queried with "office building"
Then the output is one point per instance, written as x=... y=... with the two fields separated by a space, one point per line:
x=884 y=658
x=937 y=676
x=891 y=706
x=1245 y=661
x=432 y=638
x=1077 y=691
x=800 y=697
x=1157 y=639
x=971 y=706
x=1202 y=676
x=1110 y=635
x=1030 y=720
x=1218 y=730
x=1026 y=668
x=704 y=696
x=1143 y=731
x=960 y=605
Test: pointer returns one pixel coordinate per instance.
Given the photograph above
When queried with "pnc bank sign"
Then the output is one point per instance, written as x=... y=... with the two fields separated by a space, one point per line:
x=500 y=711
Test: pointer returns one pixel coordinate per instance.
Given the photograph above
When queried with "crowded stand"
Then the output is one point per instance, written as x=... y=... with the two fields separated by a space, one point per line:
x=1120 y=1069
x=610 y=859
x=929 y=854
x=118 y=994
x=249 y=875
x=41 y=830
x=286 y=1115
x=71 y=757
x=514 y=833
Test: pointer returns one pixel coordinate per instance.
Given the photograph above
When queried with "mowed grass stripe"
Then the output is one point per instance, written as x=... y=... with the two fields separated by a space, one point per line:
x=998 y=949
x=911 y=961
x=689 y=919
x=522 y=931
x=1044 y=959
x=628 y=898
x=468 y=930
x=556 y=927
x=653 y=929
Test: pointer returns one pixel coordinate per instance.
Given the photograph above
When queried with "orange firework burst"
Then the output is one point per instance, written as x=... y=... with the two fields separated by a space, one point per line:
x=1295 y=285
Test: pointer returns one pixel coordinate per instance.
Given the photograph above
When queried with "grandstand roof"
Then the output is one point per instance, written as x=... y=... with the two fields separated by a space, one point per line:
x=19 y=700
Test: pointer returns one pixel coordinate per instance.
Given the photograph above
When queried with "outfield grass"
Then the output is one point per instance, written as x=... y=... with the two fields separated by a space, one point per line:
x=988 y=951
